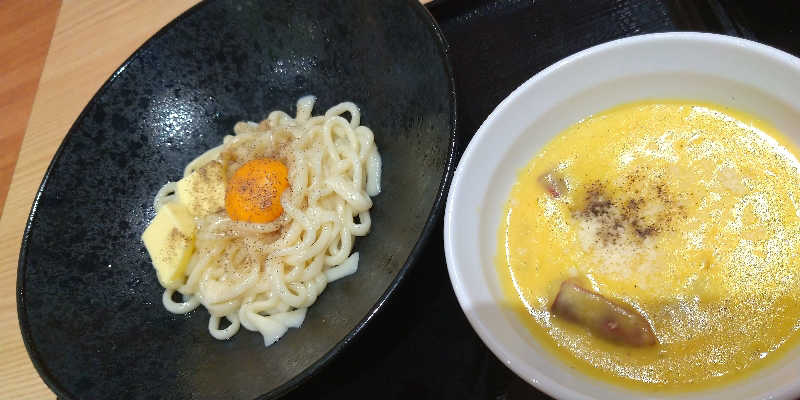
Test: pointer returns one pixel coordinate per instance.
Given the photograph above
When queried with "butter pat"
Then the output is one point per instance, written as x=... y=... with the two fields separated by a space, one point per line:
x=170 y=240
x=203 y=191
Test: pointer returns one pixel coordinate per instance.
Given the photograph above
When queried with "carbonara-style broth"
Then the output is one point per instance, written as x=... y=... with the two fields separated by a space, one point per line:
x=669 y=232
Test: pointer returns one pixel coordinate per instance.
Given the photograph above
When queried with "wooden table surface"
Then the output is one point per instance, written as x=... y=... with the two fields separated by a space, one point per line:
x=88 y=40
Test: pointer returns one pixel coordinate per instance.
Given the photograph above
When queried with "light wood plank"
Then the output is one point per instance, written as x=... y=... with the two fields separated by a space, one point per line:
x=25 y=31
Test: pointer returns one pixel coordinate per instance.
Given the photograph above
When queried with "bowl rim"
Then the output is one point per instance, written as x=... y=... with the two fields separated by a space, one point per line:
x=482 y=136
x=431 y=222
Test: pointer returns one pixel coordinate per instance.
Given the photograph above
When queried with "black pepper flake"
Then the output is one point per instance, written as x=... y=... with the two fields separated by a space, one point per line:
x=631 y=214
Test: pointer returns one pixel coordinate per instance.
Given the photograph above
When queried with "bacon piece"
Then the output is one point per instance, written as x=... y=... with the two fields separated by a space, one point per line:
x=613 y=321
x=554 y=183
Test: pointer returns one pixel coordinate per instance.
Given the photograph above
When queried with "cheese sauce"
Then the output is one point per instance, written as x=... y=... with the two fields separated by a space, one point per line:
x=685 y=211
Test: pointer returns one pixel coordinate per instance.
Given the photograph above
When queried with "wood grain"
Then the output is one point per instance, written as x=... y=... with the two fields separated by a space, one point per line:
x=91 y=39
x=25 y=31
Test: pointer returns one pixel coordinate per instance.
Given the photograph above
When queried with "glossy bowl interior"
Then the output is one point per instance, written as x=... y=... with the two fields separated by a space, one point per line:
x=88 y=300
x=725 y=70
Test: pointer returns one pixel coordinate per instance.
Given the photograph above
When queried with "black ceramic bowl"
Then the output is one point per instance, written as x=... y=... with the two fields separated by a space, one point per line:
x=88 y=300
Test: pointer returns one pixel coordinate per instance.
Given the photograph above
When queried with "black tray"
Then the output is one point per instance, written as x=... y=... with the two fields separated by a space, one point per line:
x=421 y=345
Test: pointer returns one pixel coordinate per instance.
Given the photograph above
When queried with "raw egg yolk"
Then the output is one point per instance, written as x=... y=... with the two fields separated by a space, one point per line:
x=254 y=191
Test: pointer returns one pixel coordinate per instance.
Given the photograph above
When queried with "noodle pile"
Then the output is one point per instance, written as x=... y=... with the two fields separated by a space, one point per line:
x=263 y=277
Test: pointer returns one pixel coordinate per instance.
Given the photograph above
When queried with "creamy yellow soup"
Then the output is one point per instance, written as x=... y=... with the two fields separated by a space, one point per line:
x=687 y=213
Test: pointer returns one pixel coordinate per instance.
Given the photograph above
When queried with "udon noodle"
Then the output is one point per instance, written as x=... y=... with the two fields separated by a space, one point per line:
x=264 y=276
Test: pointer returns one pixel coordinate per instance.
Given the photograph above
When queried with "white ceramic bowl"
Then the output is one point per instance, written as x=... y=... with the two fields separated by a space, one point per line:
x=725 y=70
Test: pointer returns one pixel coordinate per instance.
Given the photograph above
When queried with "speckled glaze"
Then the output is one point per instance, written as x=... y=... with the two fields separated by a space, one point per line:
x=89 y=303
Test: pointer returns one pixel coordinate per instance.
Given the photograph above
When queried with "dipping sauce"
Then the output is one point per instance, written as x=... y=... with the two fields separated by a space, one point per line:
x=686 y=213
